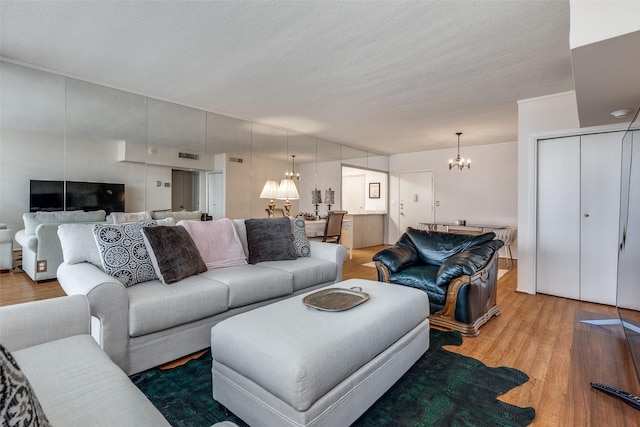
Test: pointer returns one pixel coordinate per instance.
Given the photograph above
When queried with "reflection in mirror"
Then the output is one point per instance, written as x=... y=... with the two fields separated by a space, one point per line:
x=329 y=174
x=364 y=191
x=377 y=161
x=229 y=166
x=354 y=156
x=175 y=154
x=304 y=148
x=31 y=136
x=101 y=124
x=116 y=136
x=269 y=162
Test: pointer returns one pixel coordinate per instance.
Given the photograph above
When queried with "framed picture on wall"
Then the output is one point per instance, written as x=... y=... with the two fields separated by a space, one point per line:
x=374 y=190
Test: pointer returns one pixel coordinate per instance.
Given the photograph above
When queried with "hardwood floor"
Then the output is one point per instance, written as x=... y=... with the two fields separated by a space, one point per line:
x=534 y=333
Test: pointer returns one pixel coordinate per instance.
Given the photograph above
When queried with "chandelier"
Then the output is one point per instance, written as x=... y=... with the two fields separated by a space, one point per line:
x=459 y=162
x=293 y=174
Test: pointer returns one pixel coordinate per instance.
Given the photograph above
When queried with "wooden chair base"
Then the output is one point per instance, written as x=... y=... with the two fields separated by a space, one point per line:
x=466 y=329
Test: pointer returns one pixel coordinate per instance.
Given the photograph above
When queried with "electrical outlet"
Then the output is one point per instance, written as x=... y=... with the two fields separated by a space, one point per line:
x=437 y=203
x=41 y=266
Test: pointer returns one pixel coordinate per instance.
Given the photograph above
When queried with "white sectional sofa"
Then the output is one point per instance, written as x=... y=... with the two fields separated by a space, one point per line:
x=152 y=323
x=73 y=380
x=41 y=251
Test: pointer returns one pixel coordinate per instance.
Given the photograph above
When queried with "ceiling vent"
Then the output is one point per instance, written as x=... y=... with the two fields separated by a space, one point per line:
x=189 y=156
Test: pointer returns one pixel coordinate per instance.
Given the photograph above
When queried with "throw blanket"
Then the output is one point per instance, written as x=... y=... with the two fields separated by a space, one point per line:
x=217 y=241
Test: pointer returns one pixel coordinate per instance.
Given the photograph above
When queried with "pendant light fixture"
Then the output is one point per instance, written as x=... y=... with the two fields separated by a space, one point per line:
x=459 y=161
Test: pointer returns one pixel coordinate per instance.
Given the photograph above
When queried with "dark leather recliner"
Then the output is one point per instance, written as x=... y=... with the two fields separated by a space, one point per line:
x=458 y=272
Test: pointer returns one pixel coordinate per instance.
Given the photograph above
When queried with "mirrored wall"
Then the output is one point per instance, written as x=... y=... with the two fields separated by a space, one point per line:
x=168 y=156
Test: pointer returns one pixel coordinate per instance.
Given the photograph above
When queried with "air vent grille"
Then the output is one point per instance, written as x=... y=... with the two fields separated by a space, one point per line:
x=235 y=159
x=189 y=156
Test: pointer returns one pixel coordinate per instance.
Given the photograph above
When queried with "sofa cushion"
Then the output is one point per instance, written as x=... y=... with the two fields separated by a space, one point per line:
x=249 y=283
x=33 y=219
x=269 y=239
x=123 y=252
x=19 y=405
x=173 y=254
x=435 y=247
x=299 y=234
x=78 y=244
x=155 y=307
x=217 y=241
x=422 y=277
x=78 y=385
x=306 y=271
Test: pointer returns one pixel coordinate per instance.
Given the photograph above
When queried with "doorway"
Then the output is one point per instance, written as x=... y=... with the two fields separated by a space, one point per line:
x=215 y=194
x=416 y=199
x=185 y=190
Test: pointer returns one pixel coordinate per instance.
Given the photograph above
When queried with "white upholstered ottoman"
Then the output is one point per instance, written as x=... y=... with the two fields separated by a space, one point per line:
x=286 y=364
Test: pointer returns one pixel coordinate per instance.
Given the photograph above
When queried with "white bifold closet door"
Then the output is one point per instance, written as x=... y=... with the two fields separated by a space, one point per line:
x=578 y=216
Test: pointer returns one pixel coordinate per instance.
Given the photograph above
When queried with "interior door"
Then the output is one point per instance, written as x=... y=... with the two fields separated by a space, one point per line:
x=558 y=217
x=416 y=198
x=184 y=190
x=215 y=195
x=600 y=161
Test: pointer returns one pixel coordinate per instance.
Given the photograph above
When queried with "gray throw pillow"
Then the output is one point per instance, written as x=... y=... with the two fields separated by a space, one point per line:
x=173 y=253
x=269 y=239
x=123 y=252
x=19 y=405
x=299 y=234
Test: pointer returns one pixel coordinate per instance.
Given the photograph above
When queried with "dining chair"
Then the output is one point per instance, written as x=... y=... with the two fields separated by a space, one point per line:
x=333 y=226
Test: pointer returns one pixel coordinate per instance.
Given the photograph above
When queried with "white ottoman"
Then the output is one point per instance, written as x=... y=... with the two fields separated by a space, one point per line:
x=286 y=364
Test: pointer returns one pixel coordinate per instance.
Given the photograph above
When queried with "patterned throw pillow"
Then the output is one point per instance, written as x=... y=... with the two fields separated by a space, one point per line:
x=19 y=405
x=123 y=252
x=300 y=241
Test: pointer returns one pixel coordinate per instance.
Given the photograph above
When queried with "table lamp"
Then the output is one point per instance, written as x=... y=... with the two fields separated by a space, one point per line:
x=287 y=191
x=270 y=191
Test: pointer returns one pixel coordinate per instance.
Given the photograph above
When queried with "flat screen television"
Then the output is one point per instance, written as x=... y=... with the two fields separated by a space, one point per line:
x=91 y=196
x=46 y=196
x=78 y=195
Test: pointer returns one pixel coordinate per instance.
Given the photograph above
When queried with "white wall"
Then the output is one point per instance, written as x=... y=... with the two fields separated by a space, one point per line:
x=484 y=194
x=593 y=21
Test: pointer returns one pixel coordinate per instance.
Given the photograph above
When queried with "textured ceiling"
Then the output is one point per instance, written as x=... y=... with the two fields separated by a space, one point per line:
x=391 y=77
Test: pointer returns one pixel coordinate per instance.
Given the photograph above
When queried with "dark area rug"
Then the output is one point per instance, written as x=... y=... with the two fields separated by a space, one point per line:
x=441 y=389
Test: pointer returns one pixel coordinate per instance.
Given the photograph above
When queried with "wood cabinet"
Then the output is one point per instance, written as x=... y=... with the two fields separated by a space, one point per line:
x=578 y=206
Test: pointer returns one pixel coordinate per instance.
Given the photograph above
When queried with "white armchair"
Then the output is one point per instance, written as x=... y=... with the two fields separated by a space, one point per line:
x=6 y=248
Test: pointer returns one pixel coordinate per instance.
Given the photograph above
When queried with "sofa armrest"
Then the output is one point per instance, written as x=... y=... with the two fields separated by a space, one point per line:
x=32 y=323
x=29 y=242
x=6 y=236
x=330 y=252
x=396 y=258
x=467 y=262
x=108 y=302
